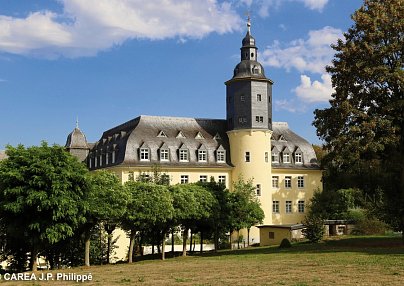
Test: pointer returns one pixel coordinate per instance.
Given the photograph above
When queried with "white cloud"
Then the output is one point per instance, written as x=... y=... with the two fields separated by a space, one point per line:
x=315 y=91
x=311 y=55
x=86 y=27
x=290 y=106
x=315 y=4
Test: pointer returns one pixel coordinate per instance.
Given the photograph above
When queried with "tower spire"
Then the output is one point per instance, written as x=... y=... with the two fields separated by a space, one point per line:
x=77 y=122
x=248 y=22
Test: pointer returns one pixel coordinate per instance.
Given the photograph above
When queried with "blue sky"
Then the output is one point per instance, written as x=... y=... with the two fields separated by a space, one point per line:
x=108 y=61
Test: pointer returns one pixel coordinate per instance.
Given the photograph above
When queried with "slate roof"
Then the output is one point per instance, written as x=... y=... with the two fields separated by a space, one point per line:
x=284 y=138
x=175 y=133
x=76 y=139
x=147 y=131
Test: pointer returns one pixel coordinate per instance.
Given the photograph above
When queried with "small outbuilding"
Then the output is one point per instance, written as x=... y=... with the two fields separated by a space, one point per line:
x=274 y=234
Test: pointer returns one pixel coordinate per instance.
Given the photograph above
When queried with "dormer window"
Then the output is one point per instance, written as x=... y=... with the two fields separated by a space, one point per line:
x=162 y=134
x=199 y=136
x=217 y=136
x=164 y=155
x=221 y=156
x=275 y=155
x=183 y=155
x=202 y=156
x=144 y=154
x=286 y=157
x=180 y=135
x=298 y=158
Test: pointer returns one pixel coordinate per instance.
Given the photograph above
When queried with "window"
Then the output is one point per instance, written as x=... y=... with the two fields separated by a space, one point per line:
x=100 y=160
x=203 y=178
x=164 y=155
x=242 y=98
x=286 y=158
x=288 y=207
x=259 y=119
x=202 y=156
x=298 y=158
x=221 y=156
x=266 y=157
x=275 y=207
x=89 y=162
x=300 y=206
x=275 y=157
x=113 y=157
x=258 y=190
x=271 y=235
x=222 y=179
x=300 y=182
x=288 y=182
x=275 y=182
x=184 y=179
x=144 y=154
x=107 y=158
x=259 y=98
x=183 y=155
x=247 y=156
x=242 y=120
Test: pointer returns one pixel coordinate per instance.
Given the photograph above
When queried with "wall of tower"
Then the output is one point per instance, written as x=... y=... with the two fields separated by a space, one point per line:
x=258 y=168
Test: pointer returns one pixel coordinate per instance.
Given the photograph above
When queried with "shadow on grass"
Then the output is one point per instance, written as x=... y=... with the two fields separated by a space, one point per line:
x=376 y=245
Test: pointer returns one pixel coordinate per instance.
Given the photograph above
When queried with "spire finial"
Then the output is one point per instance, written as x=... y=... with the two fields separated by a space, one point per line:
x=77 y=122
x=248 y=22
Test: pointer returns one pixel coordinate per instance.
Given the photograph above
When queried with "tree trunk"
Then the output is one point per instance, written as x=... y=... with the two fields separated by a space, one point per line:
x=109 y=229
x=190 y=242
x=172 y=242
x=238 y=239
x=87 y=235
x=163 y=247
x=152 y=248
x=231 y=245
x=158 y=248
x=248 y=236
x=33 y=263
x=201 y=249
x=216 y=239
x=184 y=242
x=131 y=245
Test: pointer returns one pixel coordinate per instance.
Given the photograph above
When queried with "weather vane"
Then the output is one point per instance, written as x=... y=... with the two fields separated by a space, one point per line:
x=77 y=122
x=248 y=20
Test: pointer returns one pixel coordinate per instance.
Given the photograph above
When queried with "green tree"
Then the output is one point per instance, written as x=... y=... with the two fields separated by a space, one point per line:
x=192 y=203
x=365 y=122
x=314 y=228
x=245 y=208
x=107 y=204
x=150 y=207
x=42 y=191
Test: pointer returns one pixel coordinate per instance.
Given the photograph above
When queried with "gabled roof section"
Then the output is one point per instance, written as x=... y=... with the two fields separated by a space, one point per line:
x=180 y=135
x=183 y=147
x=199 y=136
x=281 y=138
x=298 y=150
x=144 y=145
x=217 y=136
x=164 y=146
x=220 y=148
x=202 y=147
x=162 y=134
x=293 y=142
x=286 y=150
x=275 y=149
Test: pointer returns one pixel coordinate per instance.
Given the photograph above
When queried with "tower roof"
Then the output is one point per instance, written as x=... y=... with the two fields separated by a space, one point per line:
x=76 y=139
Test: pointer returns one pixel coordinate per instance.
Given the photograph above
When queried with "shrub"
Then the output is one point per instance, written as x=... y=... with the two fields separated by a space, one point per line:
x=285 y=243
x=314 y=230
x=369 y=226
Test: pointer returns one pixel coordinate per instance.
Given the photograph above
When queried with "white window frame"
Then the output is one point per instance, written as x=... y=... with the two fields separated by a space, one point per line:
x=184 y=179
x=288 y=207
x=288 y=182
x=300 y=206
x=274 y=157
x=203 y=178
x=184 y=155
x=221 y=156
x=266 y=157
x=144 y=154
x=164 y=155
x=275 y=207
x=275 y=182
x=298 y=158
x=202 y=156
x=222 y=179
x=300 y=182
x=259 y=97
x=286 y=158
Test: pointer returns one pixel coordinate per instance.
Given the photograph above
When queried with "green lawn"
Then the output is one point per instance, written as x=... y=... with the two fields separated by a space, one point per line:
x=346 y=261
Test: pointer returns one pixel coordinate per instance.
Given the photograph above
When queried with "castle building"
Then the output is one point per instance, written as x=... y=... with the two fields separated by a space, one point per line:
x=282 y=165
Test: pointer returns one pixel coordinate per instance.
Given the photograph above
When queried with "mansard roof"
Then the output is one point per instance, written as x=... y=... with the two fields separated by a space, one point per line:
x=130 y=136
x=293 y=142
x=76 y=140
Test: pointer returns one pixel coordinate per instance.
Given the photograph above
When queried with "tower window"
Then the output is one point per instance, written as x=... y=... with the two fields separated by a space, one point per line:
x=242 y=98
x=259 y=119
x=252 y=55
x=247 y=156
x=266 y=157
x=259 y=97
x=258 y=190
x=242 y=120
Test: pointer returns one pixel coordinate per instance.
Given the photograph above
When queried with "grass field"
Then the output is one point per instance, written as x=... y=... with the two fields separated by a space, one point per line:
x=346 y=261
